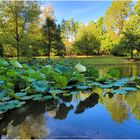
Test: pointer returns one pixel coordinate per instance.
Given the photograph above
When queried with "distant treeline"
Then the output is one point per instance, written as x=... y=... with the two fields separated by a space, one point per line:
x=26 y=30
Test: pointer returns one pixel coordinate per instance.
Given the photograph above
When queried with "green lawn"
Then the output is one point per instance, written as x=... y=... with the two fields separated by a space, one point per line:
x=98 y=60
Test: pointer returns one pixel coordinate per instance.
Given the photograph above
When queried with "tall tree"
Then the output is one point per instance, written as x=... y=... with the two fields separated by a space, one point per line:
x=49 y=29
x=86 y=42
x=69 y=29
x=131 y=34
x=115 y=17
x=15 y=18
x=59 y=45
x=100 y=32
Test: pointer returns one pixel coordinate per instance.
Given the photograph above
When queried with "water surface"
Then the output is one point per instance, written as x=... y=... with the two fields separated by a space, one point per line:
x=90 y=114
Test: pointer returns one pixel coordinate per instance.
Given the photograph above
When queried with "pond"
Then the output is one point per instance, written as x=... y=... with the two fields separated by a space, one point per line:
x=89 y=114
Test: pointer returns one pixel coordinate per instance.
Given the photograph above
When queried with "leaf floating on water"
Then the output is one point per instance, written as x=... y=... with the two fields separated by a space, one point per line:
x=37 y=97
x=129 y=89
x=54 y=91
x=47 y=97
x=6 y=98
x=119 y=91
x=26 y=97
x=20 y=94
x=96 y=83
x=121 y=82
x=83 y=87
x=74 y=92
x=123 y=90
x=20 y=104
x=106 y=86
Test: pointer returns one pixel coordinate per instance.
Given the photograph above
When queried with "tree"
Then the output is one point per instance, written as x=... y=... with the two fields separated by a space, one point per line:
x=86 y=42
x=15 y=18
x=49 y=30
x=115 y=17
x=100 y=32
x=69 y=29
x=59 y=46
x=130 y=42
x=131 y=34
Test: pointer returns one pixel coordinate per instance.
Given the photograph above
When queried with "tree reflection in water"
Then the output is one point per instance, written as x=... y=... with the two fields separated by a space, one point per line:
x=29 y=122
x=87 y=103
x=117 y=108
x=62 y=111
x=31 y=127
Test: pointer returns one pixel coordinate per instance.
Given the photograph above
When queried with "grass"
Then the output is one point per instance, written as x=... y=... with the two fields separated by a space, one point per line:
x=100 y=60
x=95 y=60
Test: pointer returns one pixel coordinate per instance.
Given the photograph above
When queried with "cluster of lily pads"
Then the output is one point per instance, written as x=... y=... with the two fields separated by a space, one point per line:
x=51 y=80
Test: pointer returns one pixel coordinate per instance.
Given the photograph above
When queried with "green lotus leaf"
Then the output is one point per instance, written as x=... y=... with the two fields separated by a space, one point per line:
x=40 y=86
x=3 y=62
x=74 y=92
x=20 y=94
x=15 y=63
x=119 y=91
x=129 y=89
x=80 y=68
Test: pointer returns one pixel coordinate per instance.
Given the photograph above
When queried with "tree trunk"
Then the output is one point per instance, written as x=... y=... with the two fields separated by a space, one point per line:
x=49 y=44
x=49 y=49
x=1 y=50
x=131 y=54
x=18 y=50
x=17 y=36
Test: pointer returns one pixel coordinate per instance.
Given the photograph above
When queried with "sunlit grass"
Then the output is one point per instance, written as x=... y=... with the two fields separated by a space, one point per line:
x=98 y=59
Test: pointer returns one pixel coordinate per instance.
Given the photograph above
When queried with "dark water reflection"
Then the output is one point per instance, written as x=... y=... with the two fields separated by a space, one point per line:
x=90 y=114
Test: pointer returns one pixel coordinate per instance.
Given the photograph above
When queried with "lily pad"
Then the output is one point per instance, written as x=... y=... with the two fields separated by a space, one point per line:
x=55 y=91
x=129 y=89
x=74 y=92
x=37 y=97
x=6 y=98
x=83 y=87
x=121 y=82
x=47 y=97
x=106 y=86
x=20 y=94
x=26 y=97
x=2 y=93
x=40 y=86
x=119 y=91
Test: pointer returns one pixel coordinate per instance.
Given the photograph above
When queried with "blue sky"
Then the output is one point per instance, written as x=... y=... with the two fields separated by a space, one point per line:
x=82 y=11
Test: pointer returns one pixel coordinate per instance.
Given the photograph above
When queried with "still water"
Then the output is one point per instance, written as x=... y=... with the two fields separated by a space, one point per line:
x=89 y=114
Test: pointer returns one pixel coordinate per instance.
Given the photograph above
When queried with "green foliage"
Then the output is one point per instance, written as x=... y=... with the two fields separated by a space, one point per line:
x=92 y=72
x=49 y=30
x=86 y=42
x=51 y=81
x=116 y=16
x=13 y=21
